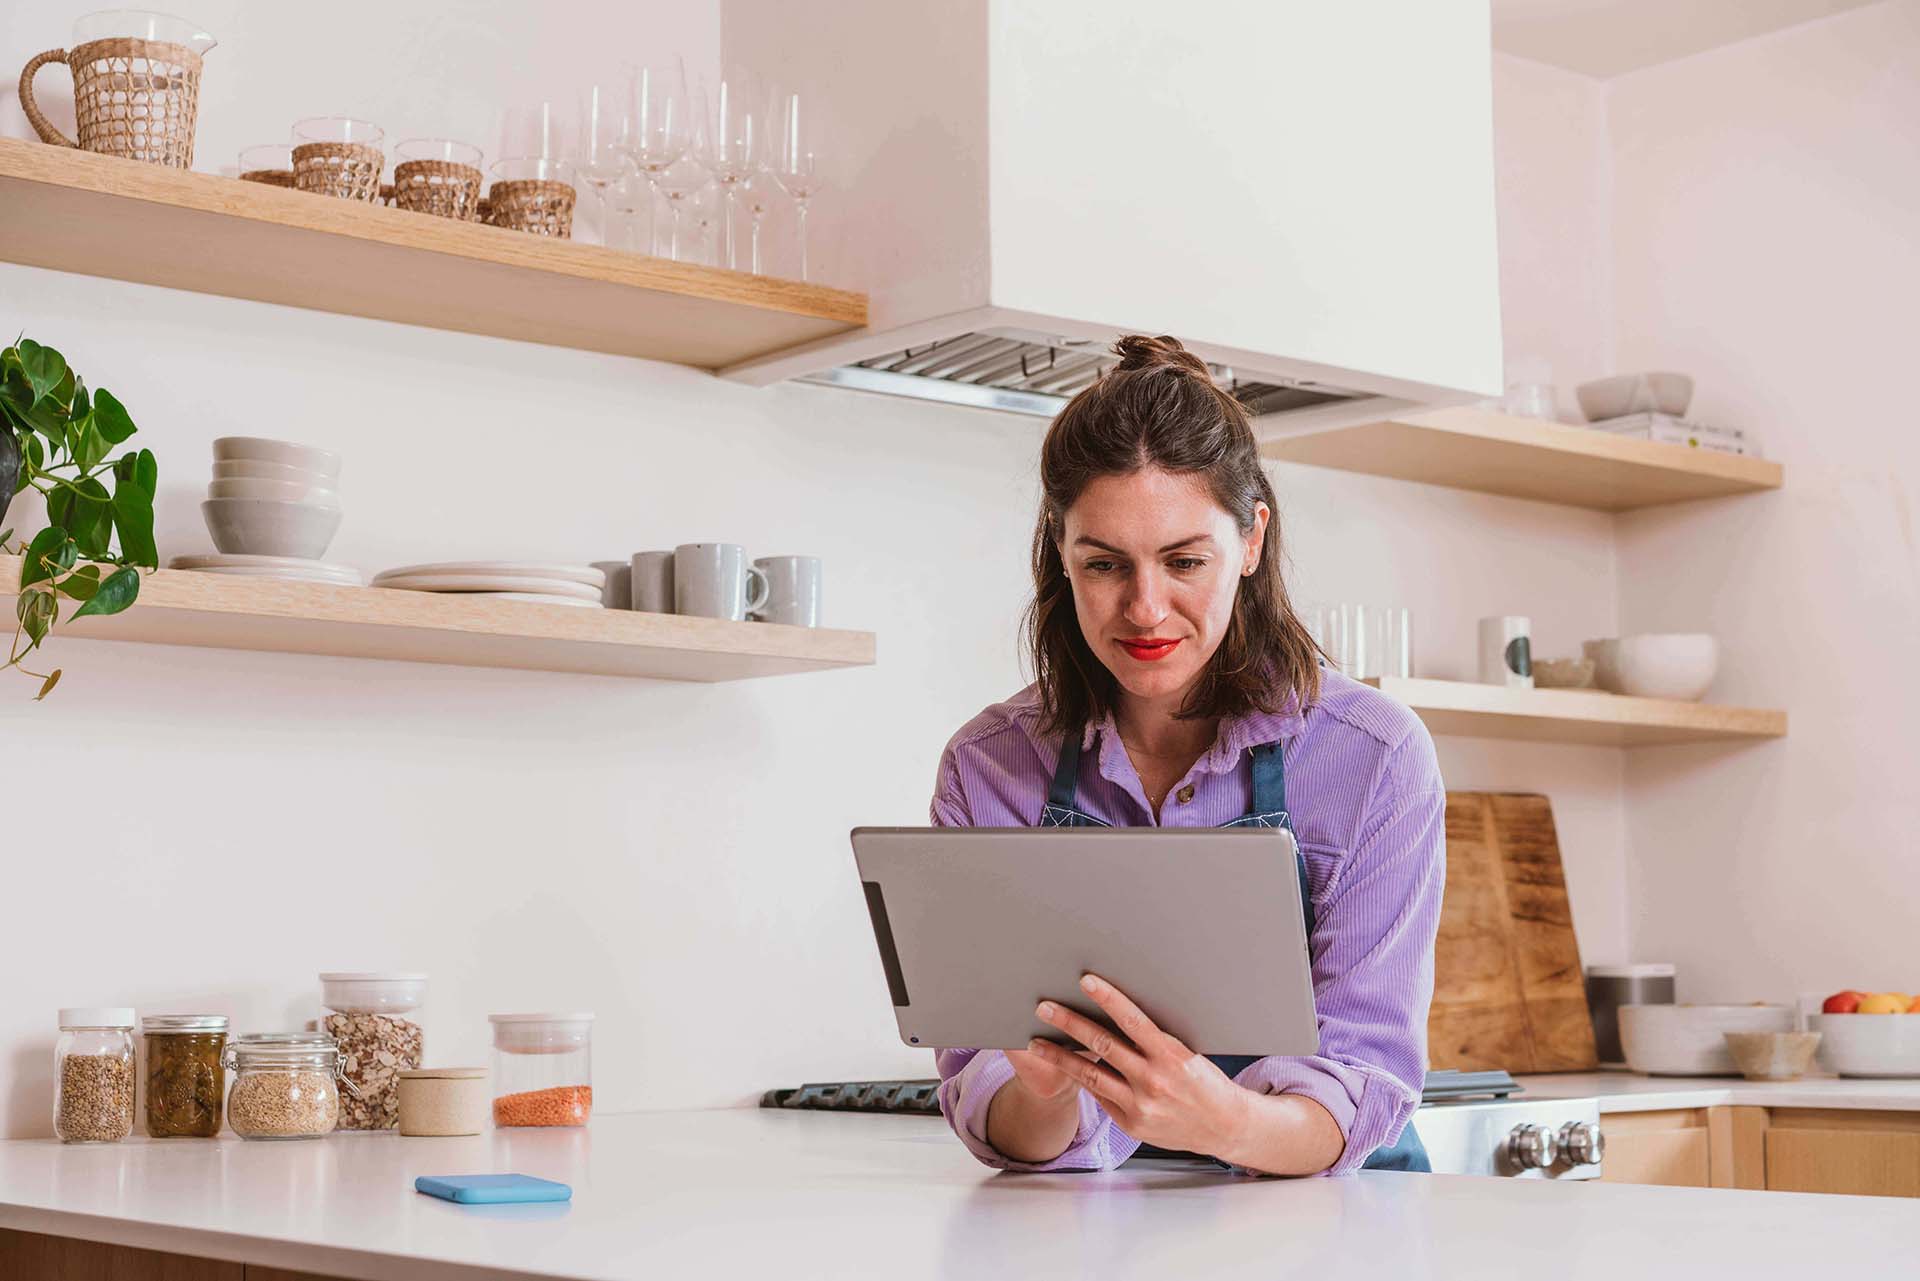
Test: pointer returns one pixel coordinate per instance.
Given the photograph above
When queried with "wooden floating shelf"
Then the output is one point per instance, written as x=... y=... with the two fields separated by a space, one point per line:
x=104 y=216
x=1527 y=458
x=219 y=611
x=1575 y=715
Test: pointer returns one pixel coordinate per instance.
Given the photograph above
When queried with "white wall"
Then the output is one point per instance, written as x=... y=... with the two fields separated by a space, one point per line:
x=1767 y=198
x=223 y=825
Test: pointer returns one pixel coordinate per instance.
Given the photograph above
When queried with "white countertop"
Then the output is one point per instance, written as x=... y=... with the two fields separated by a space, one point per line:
x=1632 y=1092
x=780 y=1195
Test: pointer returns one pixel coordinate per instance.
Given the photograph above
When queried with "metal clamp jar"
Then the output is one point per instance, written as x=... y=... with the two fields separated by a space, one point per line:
x=93 y=1075
x=285 y=1085
x=186 y=1084
x=542 y=1069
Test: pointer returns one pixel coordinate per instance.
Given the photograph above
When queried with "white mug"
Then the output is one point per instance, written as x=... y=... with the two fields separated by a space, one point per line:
x=1506 y=651
x=793 y=591
x=710 y=580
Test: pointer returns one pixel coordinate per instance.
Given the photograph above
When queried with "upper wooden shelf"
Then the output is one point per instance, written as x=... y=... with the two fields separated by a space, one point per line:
x=1575 y=715
x=103 y=216
x=1527 y=458
x=218 y=611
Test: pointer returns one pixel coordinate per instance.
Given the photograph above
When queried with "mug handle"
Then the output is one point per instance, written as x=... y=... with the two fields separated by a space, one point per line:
x=759 y=601
x=41 y=125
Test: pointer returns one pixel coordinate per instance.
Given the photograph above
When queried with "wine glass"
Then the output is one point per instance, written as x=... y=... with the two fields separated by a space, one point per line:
x=603 y=143
x=661 y=110
x=739 y=142
x=794 y=164
x=687 y=175
x=760 y=190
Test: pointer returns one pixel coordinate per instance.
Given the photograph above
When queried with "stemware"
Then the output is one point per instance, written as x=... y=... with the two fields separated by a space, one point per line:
x=795 y=165
x=759 y=191
x=662 y=126
x=603 y=145
x=739 y=142
x=687 y=175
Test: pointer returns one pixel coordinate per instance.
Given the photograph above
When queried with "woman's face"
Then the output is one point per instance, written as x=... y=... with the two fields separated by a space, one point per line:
x=1155 y=562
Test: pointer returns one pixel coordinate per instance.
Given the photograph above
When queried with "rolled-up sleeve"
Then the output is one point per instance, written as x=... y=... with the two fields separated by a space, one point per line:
x=1373 y=963
x=970 y=1078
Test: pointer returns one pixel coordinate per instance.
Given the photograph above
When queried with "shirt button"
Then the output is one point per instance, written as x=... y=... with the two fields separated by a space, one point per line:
x=1185 y=794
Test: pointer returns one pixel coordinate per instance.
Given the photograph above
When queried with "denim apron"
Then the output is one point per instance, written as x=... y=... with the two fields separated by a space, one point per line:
x=1269 y=810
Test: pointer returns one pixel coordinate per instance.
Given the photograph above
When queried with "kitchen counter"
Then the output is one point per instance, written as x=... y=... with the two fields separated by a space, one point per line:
x=750 y=1193
x=1632 y=1092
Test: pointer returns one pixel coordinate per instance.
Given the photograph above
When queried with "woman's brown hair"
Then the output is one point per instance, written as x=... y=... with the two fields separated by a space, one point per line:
x=1159 y=407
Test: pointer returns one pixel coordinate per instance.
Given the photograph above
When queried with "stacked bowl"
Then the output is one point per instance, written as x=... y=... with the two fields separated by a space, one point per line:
x=272 y=508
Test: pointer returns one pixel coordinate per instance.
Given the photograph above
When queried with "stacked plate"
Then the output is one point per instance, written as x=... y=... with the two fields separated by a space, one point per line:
x=292 y=568
x=543 y=584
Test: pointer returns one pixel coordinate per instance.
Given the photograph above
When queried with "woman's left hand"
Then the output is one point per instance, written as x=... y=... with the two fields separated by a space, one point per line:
x=1153 y=1086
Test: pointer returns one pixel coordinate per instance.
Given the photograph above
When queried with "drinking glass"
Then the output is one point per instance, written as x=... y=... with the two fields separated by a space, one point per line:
x=692 y=171
x=794 y=162
x=739 y=144
x=760 y=191
x=535 y=132
x=1364 y=641
x=603 y=143
x=661 y=109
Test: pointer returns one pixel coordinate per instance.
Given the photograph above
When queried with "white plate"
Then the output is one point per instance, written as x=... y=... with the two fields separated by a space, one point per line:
x=285 y=575
x=237 y=560
x=586 y=575
x=534 y=598
x=526 y=585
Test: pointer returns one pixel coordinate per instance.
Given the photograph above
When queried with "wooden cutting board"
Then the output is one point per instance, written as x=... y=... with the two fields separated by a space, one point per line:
x=1508 y=990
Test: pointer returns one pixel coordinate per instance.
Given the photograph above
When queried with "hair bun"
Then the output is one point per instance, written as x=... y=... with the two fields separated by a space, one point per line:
x=1137 y=351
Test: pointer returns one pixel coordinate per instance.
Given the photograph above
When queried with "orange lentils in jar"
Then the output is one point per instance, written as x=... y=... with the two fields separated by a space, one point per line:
x=542 y=1069
x=557 y=1105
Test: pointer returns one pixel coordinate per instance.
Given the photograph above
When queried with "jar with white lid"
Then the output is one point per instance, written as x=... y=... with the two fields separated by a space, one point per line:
x=93 y=1074
x=542 y=1069
x=186 y=1085
x=286 y=1085
x=373 y=1016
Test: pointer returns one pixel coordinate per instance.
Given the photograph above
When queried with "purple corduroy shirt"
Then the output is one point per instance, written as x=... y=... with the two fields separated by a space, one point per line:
x=1369 y=812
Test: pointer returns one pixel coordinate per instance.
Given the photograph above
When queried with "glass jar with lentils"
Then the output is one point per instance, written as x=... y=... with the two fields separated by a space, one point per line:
x=93 y=1075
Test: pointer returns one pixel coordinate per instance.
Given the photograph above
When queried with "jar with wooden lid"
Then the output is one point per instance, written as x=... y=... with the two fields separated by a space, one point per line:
x=286 y=1085
x=186 y=1086
x=93 y=1074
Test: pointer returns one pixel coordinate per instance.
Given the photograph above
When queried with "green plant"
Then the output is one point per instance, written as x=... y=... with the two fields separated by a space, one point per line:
x=99 y=507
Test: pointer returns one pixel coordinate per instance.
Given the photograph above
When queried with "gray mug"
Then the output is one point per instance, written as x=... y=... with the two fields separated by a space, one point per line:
x=710 y=580
x=793 y=591
x=618 y=592
x=651 y=575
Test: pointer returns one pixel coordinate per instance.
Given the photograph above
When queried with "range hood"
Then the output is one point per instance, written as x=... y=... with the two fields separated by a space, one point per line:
x=1016 y=183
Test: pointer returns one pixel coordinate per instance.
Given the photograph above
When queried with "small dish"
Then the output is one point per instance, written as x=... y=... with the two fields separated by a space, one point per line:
x=586 y=575
x=1563 y=673
x=528 y=585
x=1772 y=1056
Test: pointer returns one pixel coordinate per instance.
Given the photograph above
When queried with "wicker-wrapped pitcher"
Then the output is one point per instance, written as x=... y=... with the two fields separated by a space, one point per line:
x=136 y=86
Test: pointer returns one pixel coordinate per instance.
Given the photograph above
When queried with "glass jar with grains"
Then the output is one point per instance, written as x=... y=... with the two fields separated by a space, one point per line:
x=93 y=1075
x=285 y=1085
x=185 y=1083
x=374 y=1017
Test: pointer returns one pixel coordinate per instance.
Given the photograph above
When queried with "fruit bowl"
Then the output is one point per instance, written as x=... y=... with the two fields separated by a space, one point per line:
x=1885 y=1045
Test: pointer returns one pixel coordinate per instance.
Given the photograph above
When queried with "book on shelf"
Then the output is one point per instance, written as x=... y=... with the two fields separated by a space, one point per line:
x=1669 y=430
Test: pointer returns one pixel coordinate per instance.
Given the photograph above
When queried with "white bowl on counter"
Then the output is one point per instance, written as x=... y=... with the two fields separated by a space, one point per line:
x=1672 y=665
x=285 y=452
x=1690 y=1040
x=270 y=527
x=1886 y=1045
x=290 y=491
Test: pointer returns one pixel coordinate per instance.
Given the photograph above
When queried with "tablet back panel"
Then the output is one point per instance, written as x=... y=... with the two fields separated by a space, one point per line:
x=1200 y=926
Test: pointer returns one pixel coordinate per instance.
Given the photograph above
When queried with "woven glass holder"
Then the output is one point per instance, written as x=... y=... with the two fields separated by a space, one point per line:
x=132 y=98
x=438 y=187
x=350 y=170
x=538 y=206
x=269 y=177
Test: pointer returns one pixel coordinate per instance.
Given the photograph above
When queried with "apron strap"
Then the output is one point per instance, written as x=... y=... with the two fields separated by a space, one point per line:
x=1269 y=779
x=1064 y=791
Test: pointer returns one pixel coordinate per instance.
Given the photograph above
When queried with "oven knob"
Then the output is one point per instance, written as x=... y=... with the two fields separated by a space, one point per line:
x=1582 y=1143
x=1532 y=1147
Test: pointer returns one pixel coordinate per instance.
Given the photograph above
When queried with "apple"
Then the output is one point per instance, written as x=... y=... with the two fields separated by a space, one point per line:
x=1846 y=1002
x=1915 y=1007
x=1885 y=1003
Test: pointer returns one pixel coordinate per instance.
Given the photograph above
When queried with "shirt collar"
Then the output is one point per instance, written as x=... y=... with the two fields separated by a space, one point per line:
x=1236 y=736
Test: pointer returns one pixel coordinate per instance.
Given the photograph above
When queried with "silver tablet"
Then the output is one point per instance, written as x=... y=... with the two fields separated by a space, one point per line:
x=1200 y=926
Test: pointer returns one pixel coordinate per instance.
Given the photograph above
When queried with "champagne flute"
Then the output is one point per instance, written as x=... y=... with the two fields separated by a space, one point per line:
x=603 y=143
x=738 y=141
x=687 y=175
x=759 y=190
x=661 y=127
x=795 y=166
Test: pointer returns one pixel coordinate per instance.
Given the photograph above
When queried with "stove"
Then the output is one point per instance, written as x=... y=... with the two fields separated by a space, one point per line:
x=1470 y=1122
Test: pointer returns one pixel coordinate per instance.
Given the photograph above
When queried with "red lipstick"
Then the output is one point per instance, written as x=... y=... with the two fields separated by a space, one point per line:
x=1149 y=649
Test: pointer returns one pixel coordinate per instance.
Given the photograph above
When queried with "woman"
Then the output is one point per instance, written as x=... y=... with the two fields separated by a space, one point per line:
x=1175 y=686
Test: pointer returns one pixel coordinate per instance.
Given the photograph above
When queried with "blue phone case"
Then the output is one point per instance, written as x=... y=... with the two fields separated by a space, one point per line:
x=491 y=1189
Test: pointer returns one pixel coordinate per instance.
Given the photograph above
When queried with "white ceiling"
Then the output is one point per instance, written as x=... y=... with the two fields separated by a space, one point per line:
x=1607 y=37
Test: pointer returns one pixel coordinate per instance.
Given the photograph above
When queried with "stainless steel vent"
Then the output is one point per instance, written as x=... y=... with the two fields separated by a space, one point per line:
x=1021 y=374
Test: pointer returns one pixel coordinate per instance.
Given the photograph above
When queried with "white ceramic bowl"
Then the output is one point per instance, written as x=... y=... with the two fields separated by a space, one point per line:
x=1676 y=665
x=270 y=526
x=1869 y=1044
x=254 y=469
x=258 y=449
x=314 y=493
x=1624 y=394
x=1690 y=1040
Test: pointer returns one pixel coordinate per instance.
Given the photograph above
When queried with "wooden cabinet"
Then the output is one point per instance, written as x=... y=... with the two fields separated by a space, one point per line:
x=31 y=1255
x=1840 y=1150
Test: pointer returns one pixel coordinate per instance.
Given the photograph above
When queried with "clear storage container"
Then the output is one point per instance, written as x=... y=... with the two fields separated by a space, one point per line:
x=285 y=1085
x=186 y=1086
x=374 y=1018
x=93 y=1075
x=542 y=1069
